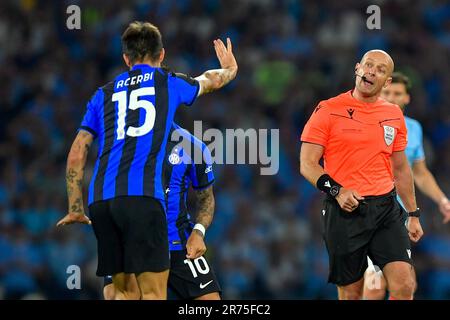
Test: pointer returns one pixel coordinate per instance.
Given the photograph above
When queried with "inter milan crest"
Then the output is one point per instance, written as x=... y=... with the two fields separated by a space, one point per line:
x=174 y=158
x=389 y=134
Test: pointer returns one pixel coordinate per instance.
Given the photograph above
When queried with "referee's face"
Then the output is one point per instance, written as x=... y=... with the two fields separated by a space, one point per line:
x=396 y=93
x=374 y=72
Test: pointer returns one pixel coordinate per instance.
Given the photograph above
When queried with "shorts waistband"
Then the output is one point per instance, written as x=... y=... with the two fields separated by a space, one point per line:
x=391 y=193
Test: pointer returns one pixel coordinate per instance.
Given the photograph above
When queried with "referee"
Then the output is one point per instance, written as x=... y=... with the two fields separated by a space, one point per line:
x=362 y=139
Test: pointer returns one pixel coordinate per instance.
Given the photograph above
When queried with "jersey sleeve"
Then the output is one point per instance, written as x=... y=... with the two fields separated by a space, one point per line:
x=401 y=138
x=90 y=122
x=419 y=153
x=317 y=129
x=187 y=88
x=201 y=172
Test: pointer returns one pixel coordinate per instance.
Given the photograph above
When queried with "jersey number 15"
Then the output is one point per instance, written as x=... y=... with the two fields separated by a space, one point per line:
x=135 y=103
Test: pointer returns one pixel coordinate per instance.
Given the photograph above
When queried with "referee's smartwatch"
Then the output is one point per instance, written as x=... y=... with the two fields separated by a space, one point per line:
x=414 y=213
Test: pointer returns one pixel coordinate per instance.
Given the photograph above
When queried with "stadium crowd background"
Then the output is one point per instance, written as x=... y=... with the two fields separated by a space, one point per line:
x=265 y=240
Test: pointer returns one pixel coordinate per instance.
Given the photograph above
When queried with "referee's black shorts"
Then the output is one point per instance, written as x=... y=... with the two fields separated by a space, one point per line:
x=375 y=229
x=131 y=235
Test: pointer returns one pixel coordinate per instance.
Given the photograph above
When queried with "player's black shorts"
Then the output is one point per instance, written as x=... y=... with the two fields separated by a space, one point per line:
x=375 y=229
x=131 y=235
x=188 y=280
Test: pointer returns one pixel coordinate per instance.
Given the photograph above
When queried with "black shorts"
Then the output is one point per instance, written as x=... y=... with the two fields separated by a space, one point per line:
x=190 y=279
x=131 y=235
x=185 y=283
x=375 y=229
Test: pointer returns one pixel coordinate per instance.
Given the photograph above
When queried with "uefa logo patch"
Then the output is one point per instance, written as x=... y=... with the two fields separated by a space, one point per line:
x=389 y=134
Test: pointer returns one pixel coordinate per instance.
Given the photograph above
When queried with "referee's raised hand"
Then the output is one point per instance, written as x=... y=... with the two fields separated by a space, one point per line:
x=348 y=199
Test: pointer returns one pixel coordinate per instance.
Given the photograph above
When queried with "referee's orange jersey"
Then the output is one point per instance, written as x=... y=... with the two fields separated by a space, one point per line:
x=359 y=139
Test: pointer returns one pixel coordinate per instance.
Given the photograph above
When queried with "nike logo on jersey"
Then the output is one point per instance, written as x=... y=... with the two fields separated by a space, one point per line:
x=167 y=190
x=203 y=286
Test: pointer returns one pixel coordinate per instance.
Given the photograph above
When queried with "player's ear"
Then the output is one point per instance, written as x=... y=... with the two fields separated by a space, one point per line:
x=388 y=82
x=407 y=99
x=162 y=54
x=127 y=60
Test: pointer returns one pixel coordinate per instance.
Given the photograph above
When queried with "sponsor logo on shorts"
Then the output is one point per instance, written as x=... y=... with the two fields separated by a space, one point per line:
x=203 y=286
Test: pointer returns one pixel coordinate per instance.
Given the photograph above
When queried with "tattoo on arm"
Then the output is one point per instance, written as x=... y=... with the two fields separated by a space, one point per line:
x=215 y=79
x=205 y=206
x=77 y=206
x=75 y=171
x=71 y=173
x=69 y=190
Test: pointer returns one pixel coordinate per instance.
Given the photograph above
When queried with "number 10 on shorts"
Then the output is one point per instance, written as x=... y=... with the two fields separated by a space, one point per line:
x=196 y=266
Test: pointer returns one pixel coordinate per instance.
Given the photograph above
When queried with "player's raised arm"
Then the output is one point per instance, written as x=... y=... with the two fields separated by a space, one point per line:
x=76 y=162
x=215 y=79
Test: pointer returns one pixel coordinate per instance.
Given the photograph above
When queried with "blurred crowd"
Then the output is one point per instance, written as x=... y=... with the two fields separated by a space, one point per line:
x=266 y=238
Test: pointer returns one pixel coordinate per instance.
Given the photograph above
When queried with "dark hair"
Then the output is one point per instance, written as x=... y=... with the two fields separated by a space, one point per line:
x=142 y=40
x=398 y=77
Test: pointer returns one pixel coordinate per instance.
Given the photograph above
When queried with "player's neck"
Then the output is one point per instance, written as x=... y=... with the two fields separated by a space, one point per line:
x=368 y=99
x=147 y=62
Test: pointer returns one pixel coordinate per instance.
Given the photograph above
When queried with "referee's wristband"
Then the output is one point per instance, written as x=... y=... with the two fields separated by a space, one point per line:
x=200 y=228
x=414 y=213
x=326 y=184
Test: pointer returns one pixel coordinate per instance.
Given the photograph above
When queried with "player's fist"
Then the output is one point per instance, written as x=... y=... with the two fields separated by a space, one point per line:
x=195 y=245
x=72 y=217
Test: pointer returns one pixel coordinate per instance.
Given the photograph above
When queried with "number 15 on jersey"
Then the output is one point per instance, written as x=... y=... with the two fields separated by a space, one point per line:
x=134 y=104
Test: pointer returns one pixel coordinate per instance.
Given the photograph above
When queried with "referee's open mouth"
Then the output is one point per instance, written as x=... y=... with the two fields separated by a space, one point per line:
x=367 y=81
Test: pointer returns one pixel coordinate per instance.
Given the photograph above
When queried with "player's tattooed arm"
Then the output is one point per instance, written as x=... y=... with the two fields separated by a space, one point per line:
x=212 y=80
x=76 y=162
x=205 y=206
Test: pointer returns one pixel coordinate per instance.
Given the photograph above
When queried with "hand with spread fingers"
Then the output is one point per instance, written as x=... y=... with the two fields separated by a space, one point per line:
x=73 y=217
x=225 y=54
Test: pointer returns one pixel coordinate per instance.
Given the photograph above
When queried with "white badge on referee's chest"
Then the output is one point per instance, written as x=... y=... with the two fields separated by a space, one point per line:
x=389 y=134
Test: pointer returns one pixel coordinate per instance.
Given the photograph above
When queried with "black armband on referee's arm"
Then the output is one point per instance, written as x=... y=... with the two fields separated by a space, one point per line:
x=326 y=184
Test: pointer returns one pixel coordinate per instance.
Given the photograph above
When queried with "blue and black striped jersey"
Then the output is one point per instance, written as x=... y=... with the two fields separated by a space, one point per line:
x=132 y=117
x=187 y=163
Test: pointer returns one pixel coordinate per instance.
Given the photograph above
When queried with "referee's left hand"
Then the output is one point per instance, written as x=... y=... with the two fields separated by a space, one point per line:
x=444 y=207
x=415 y=231
x=72 y=217
x=195 y=245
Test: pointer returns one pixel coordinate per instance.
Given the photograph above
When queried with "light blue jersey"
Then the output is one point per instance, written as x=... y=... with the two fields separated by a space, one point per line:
x=414 y=150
